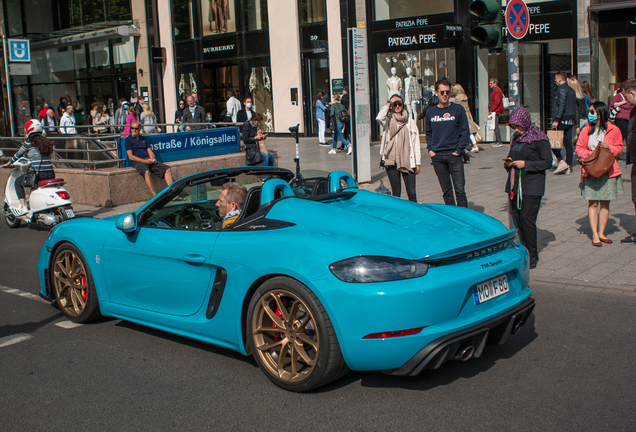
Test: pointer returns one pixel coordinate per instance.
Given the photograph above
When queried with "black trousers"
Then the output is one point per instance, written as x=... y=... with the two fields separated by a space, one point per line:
x=450 y=174
x=525 y=220
x=396 y=184
x=42 y=175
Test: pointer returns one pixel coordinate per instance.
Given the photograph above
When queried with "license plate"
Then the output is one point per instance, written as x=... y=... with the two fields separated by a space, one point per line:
x=490 y=289
x=69 y=213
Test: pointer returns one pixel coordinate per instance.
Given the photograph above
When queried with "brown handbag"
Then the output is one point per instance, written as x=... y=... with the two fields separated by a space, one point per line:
x=599 y=162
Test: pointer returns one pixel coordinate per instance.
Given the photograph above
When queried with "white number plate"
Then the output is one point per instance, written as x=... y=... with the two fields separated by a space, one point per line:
x=69 y=213
x=490 y=289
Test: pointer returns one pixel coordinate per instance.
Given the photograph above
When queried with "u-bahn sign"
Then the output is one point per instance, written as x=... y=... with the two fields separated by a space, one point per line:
x=517 y=18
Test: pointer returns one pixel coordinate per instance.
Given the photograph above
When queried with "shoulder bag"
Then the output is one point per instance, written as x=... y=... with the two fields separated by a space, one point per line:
x=599 y=162
x=253 y=155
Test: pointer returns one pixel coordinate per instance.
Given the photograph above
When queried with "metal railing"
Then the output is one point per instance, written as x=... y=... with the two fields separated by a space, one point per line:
x=97 y=150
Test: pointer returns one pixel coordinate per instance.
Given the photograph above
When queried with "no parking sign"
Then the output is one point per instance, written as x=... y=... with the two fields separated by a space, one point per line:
x=517 y=18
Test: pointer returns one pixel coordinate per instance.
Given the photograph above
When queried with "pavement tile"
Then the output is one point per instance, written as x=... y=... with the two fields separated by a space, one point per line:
x=629 y=293
x=590 y=289
x=613 y=292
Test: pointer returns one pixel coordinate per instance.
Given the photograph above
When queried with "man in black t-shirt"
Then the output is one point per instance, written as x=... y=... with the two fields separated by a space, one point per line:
x=447 y=135
x=143 y=159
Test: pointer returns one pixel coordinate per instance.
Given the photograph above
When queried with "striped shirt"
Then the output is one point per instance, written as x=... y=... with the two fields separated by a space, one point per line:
x=38 y=163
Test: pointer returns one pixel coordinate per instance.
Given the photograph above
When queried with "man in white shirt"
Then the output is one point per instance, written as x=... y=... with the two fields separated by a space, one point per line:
x=67 y=126
x=233 y=105
x=67 y=123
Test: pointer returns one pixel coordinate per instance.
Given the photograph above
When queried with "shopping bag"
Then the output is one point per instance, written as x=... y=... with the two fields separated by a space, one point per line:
x=490 y=123
x=556 y=139
x=478 y=137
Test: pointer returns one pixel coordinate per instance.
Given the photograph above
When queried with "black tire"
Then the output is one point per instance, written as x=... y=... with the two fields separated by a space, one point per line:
x=12 y=221
x=303 y=331
x=72 y=285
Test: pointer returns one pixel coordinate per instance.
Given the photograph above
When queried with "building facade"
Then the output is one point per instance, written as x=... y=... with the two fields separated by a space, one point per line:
x=281 y=53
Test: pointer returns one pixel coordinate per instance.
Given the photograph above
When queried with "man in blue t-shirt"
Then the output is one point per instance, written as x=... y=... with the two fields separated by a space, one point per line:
x=447 y=135
x=143 y=159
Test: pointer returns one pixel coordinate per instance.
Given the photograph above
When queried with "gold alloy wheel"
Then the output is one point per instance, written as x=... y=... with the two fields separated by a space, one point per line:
x=71 y=283
x=285 y=335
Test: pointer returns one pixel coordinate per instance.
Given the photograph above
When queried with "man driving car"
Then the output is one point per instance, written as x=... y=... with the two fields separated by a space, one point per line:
x=230 y=203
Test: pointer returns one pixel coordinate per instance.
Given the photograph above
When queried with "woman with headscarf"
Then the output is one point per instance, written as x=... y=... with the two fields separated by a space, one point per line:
x=529 y=158
x=400 y=146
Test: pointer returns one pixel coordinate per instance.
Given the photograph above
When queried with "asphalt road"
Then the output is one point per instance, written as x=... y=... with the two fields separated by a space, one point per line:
x=571 y=368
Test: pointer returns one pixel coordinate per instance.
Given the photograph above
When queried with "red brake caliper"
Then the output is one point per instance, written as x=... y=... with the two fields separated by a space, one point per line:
x=278 y=313
x=83 y=283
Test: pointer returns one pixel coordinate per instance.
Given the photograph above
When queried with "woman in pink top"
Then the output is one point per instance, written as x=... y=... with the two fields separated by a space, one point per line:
x=609 y=186
x=131 y=117
x=622 y=118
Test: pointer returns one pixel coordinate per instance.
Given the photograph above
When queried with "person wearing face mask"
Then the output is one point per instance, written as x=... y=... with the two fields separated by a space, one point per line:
x=600 y=191
x=529 y=158
x=246 y=113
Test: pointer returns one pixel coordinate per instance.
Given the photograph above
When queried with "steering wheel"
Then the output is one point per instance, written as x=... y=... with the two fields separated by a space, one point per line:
x=199 y=214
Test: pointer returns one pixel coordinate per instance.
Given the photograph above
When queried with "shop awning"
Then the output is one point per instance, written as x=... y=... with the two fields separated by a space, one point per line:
x=96 y=35
x=612 y=6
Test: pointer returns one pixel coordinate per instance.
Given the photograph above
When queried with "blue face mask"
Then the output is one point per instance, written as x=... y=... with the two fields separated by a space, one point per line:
x=591 y=118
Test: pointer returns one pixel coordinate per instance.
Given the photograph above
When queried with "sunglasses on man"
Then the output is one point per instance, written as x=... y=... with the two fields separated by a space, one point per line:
x=444 y=92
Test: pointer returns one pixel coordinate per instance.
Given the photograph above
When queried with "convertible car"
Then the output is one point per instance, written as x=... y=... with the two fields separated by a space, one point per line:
x=316 y=277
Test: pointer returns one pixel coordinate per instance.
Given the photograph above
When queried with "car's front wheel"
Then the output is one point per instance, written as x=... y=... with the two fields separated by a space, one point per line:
x=292 y=338
x=73 y=285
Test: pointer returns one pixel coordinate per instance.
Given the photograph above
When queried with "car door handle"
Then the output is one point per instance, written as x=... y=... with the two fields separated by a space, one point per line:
x=194 y=259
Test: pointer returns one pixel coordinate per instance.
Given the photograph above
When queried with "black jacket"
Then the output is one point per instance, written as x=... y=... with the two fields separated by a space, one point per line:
x=538 y=158
x=241 y=116
x=564 y=104
x=199 y=117
x=631 y=138
x=581 y=110
x=249 y=131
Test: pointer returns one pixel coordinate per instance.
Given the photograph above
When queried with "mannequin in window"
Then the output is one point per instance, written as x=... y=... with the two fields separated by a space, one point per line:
x=413 y=94
x=394 y=83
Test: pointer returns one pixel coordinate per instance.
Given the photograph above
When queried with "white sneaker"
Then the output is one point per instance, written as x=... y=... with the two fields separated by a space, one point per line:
x=332 y=151
x=562 y=167
x=475 y=149
x=350 y=150
x=496 y=145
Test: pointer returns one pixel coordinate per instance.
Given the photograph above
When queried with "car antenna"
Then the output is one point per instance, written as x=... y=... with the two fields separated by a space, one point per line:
x=294 y=133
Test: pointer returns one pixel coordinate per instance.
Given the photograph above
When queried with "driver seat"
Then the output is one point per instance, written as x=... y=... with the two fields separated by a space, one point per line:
x=252 y=202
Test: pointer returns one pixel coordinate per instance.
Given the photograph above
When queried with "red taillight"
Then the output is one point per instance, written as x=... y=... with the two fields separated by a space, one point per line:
x=63 y=195
x=392 y=334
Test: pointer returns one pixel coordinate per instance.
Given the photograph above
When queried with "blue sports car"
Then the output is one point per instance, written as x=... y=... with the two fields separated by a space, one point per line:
x=314 y=278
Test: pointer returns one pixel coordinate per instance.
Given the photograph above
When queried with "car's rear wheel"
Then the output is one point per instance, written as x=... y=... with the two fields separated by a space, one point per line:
x=292 y=338
x=73 y=285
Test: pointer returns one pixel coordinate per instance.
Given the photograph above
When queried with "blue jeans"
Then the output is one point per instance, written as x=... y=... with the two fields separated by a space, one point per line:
x=268 y=158
x=338 y=135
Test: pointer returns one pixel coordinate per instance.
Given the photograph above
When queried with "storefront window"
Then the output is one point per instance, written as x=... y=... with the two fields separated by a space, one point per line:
x=413 y=75
x=312 y=11
x=256 y=15
x=181 y=20
x=392 y=9
x=260 y=88
x=218 y=17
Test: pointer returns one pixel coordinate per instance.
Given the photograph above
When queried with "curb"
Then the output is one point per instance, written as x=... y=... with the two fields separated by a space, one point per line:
x=583 y=285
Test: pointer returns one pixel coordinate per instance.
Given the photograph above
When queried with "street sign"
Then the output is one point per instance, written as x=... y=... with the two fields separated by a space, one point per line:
x=23 y=69
x=453 y=31
x=19 y=50
x=517 y=18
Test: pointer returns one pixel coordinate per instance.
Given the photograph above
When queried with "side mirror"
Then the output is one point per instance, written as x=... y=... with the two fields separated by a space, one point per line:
x=127 y=223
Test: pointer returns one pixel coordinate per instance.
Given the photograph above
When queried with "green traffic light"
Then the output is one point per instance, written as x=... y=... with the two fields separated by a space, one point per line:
x=487 y=10
x=489 y=32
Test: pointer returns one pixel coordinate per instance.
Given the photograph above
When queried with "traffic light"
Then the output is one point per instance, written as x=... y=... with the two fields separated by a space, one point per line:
x=489 y=32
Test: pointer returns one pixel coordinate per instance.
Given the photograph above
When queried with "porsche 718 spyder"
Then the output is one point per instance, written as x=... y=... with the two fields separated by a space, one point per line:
x=315 y=278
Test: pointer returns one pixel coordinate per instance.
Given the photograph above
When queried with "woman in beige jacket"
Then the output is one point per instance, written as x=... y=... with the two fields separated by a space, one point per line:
x=400 y=146
x=458 y=96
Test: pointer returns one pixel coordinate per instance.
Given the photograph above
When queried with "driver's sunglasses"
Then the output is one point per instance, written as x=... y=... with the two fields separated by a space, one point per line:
x=443 y=92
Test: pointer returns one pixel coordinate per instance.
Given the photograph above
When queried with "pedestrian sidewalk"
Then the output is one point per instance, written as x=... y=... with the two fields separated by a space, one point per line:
x=566 y=255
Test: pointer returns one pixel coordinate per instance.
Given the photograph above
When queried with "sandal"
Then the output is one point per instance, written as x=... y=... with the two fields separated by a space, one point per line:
x=606 y=240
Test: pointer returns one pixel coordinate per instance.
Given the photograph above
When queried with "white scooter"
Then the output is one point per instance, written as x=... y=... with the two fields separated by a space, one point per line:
x=49 y=203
